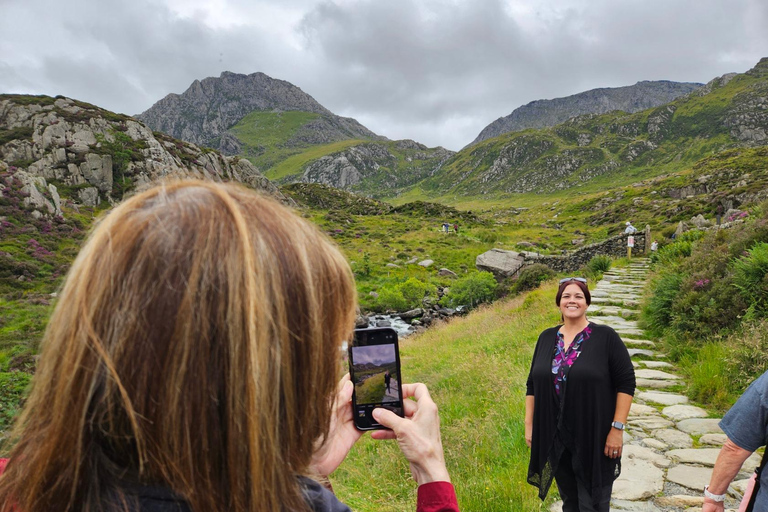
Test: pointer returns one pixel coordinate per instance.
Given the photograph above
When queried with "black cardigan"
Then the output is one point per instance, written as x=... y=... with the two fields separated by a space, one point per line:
x=588 y=403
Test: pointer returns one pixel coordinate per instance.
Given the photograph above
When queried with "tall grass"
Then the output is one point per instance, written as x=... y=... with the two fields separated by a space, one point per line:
x=475 y=368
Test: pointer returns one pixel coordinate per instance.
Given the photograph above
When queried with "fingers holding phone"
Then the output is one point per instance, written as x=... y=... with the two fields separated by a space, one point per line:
x=417 y=434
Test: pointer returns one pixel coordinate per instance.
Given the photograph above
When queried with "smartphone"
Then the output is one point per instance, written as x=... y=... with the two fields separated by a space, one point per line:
x=374 y=366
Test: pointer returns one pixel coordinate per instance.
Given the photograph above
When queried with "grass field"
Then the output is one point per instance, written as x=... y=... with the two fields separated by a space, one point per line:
x=371 y=390
x=475 y=368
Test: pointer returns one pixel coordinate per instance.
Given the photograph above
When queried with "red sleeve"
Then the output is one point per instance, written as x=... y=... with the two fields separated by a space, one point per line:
x=437 y=497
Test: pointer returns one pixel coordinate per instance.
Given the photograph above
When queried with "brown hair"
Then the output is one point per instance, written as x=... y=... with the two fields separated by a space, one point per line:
x=581 y=285
x=195 y=346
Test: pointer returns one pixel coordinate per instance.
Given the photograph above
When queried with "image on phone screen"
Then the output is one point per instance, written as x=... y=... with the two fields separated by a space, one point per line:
x=375 y=371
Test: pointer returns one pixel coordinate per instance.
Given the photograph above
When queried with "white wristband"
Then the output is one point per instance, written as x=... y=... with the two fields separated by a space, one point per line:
x=714 y=497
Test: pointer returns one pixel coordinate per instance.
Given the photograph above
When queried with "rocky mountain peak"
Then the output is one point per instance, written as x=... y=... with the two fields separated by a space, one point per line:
x=208 y=108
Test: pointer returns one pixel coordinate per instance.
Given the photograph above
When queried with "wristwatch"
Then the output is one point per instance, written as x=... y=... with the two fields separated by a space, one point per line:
x=617 y=424
x=714 y=497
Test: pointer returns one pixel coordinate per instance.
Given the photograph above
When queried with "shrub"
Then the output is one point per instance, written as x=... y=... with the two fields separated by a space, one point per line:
x=473 y=289
x=751 y=279
x=657 y=312
x=599 y=264
x=414 y=291
x=531 y=277
x=392 y=299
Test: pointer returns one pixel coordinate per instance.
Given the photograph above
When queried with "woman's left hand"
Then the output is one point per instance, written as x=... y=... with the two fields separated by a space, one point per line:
x=614 y=443
x=341 y=436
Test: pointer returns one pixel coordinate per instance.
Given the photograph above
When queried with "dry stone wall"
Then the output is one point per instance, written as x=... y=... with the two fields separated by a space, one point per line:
x=505 y=264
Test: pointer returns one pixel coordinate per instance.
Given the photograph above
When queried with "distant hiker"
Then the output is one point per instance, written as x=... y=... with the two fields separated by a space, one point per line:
x=387 y=379
x=104 y=430
x=745 y=425
x=582 y=452
x=654 y=246
x=719 y=213
x=456 y=228
x=630 y=229
x=446 y=227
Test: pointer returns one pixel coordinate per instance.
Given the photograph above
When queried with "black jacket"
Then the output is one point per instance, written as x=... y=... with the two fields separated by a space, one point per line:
x=158 y=499
x=581 y=420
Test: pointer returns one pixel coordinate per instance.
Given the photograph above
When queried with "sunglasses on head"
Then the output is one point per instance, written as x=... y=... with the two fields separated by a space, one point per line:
x=579 y=279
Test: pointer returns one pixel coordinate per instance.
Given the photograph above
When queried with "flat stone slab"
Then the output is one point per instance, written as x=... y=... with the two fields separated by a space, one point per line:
x=611 y=300
x=681 y=501
x=641 y=352
x=713 y=439
x=701 y=456
x=662 y=397
x=692 y=477
x=642 y=410
x=655 y=444
x=628 y=330
x=657 y=364
x=683 y=412
x=673 y=438
x=639 y=480
x=651 y=423
x=634 y=506
x=636 y=341
x=655 y=374
x=656 y=384
x=700 y=426
x=634 y=451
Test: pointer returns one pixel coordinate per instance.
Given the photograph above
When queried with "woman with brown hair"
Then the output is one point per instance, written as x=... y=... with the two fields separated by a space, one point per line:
x=190 y=364
x=579 y=392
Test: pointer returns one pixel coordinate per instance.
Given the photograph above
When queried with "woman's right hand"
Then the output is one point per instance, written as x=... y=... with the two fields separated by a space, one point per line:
x=418 y=434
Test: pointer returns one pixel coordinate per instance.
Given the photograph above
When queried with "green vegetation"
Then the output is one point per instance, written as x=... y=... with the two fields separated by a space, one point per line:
x=475 y=368
x=473 y=289
x=708 y=300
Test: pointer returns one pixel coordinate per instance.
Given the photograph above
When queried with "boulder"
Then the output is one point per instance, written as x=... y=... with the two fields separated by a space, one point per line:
x=89 y=196
x=500 y=263
x=426 y=263
x=446 y=273
x=700 y=222
x=413 y=313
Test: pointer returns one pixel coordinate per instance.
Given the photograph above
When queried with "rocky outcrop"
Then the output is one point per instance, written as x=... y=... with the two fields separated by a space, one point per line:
x=63 y=146
x=375 y=169
x=208 y=108
x=546 y=113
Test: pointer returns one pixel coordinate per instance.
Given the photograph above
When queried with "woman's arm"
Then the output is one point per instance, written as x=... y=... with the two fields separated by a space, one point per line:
x=529 y=403
x=615 y=440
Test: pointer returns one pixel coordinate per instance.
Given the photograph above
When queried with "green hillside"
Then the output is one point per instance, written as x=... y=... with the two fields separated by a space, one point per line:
x=615 y=148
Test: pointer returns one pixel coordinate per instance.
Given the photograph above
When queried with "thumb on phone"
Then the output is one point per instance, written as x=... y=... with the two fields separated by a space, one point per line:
x=387 y=418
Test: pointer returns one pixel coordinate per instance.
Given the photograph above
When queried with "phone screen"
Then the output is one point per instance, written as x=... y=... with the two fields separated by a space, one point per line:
x=374 y=366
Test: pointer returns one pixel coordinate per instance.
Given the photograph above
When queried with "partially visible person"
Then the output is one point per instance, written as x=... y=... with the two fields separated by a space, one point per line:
x=579 y=392
x=630 y=229
x=190 y=364
x=654 y=246
x=746 y=425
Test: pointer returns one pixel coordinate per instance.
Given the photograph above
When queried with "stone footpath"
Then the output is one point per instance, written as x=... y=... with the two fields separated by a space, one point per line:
x=670 y=446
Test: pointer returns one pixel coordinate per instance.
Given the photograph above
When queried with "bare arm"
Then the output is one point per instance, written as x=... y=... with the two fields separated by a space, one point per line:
x=615 y=440
x=528 y=419
x=727 y=466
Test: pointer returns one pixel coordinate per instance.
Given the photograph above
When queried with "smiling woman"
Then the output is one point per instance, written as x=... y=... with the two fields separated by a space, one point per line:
x=579 y=392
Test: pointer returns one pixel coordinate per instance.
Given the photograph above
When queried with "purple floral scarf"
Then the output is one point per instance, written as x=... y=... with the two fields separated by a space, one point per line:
x=564 y=359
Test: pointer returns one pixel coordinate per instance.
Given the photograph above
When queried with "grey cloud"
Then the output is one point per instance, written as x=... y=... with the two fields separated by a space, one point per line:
x=436 y=71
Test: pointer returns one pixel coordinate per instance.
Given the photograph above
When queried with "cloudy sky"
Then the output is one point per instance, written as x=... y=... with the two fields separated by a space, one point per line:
x=437 y=71
x=376 y=354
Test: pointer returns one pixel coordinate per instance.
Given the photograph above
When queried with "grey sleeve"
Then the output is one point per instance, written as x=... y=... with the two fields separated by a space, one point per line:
x=746 y=423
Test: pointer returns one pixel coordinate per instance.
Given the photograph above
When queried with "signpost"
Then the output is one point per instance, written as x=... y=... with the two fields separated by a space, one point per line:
x=630 y=245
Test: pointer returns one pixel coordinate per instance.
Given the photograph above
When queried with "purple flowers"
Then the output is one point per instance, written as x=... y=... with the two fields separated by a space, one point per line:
x=701 y=284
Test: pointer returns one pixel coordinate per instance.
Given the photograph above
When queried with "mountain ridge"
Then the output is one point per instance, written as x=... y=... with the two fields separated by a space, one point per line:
x=545 y=113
